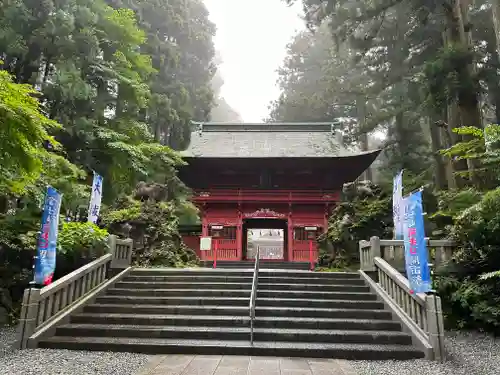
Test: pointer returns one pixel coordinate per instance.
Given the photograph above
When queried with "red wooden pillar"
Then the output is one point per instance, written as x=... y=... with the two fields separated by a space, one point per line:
x=325 y=226
x=204 y=223
x=239 y=236
x=290 y=238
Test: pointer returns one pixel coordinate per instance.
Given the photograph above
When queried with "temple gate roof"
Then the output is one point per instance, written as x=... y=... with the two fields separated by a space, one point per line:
x=266 y=140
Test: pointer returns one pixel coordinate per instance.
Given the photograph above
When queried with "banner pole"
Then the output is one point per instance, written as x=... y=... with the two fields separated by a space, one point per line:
x=421 y=188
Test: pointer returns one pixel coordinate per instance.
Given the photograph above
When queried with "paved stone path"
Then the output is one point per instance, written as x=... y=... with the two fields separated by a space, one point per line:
x=234 y=365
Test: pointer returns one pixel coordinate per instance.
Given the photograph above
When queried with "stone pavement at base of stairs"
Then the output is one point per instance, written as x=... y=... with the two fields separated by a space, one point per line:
x=235 y=365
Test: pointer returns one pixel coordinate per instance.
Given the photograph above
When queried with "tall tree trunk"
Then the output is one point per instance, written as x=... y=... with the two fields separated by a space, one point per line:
x=467 y=107
x=436 y=145
x=493 y=49
x=495 y=14
x=363 y=137
x=453 y=122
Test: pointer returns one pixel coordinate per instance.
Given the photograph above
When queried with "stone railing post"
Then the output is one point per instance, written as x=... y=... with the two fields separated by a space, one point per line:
x=121 y=251
x=374 y=252
x=435 y=325
x=112 y=244
x=29 y=317
x=362 y=258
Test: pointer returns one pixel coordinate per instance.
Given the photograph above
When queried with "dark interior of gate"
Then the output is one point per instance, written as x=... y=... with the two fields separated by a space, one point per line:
x=271 y=186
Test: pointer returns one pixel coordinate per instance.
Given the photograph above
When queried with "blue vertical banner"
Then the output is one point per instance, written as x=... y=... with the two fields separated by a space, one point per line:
x=416 y=256
x=95 y=198
x=398 y=205
x=45 y=262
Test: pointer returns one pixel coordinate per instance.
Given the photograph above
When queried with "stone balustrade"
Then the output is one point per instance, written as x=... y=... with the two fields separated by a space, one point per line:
x=382 y=265
x=42 y=306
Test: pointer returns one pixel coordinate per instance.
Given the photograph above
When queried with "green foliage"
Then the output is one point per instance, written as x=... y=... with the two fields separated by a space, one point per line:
x=154 y=228
x=23 y=135
x=451 y=203
x=365 y=211
x=484 y=153
x=103 y=85
x=85 y=239
x=431 y=78
x=468 y=285
x=369 y=84
x=130 y=213
x=444 y=76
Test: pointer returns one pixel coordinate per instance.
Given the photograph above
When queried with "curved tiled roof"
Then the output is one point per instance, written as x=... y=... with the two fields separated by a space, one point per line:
x=265 y=140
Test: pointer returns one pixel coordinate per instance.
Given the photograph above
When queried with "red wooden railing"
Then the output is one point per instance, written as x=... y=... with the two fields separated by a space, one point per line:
x=226 y=250
x=302 y=251
x=247 y=195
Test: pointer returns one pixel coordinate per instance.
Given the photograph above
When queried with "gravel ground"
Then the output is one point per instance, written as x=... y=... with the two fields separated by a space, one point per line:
x=468 y=354
x=64 y=362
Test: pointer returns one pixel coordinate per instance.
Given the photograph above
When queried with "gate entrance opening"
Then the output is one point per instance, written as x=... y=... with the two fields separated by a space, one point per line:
x=270 y=235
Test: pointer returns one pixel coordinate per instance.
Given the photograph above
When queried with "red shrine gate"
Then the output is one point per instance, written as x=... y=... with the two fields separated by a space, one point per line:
x=228 y=216
x=283 y=178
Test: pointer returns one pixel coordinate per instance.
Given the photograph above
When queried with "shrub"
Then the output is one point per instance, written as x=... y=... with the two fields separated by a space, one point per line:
x=154 y=228
x=469 y=299
x=365 y=211
x=79 y=244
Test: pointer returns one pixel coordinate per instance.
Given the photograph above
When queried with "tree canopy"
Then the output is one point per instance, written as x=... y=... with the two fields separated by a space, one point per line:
x=423 y=76
x=109 y=86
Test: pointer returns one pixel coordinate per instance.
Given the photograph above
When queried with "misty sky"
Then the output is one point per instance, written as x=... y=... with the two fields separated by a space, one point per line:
x=251 y=38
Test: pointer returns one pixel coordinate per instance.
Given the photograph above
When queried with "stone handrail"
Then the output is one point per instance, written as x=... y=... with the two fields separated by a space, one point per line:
x=392 y=251
x=41 y=306
x=420 y=314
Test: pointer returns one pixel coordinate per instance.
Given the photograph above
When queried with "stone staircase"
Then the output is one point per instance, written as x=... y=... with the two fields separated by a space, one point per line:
x=206 y=311
x=249 y=264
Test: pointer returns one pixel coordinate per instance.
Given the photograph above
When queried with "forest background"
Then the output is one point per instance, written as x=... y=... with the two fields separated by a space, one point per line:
x=112 y=86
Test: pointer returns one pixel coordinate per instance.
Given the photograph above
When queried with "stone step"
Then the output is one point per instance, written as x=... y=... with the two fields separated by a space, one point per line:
x=326 y=323
x=248 y=264
x=154 y=332
x=312 y=279
x=179 y=292
x=322 y=313
x=181 y=285
x=235 y=333
x=151 y=300
x=352 y=312
x=333 y=287
x=241 y=301
x=285 y=279
x=305 y=294
x=333 y=297
x=326 y=275
x=236 y=321
x=191 y=278
x=165 y=309
x=332 y=336
x=319 y=303
x=189 y=272
x=306 y=274
x=208 y=347
x=195 y=272
x=162 y=320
